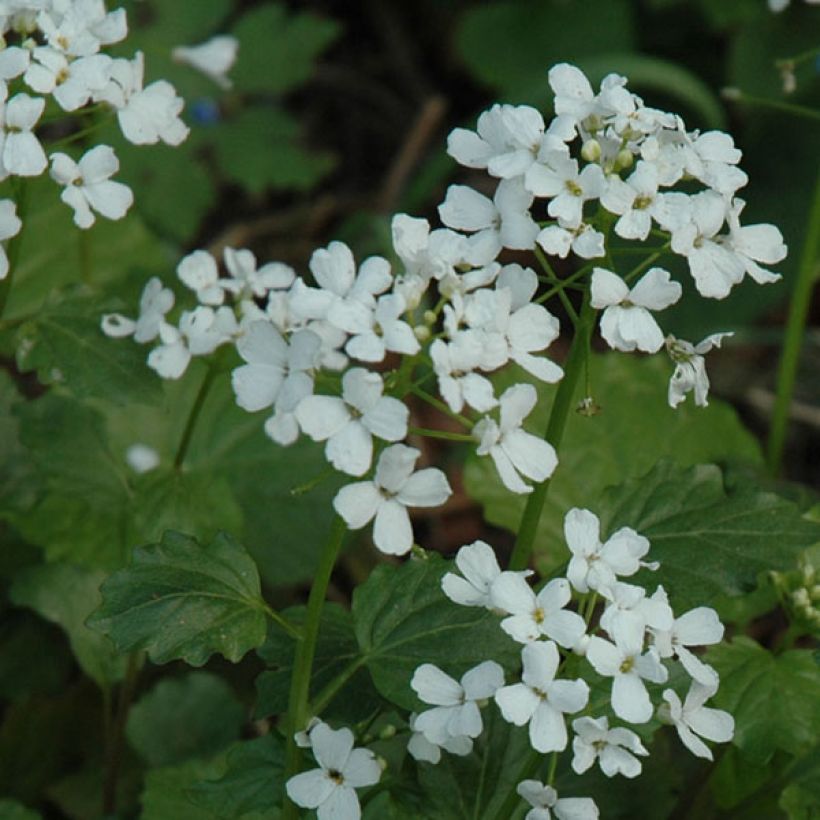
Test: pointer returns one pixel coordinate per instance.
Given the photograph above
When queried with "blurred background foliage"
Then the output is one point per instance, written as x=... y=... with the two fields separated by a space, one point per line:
x=337 y=118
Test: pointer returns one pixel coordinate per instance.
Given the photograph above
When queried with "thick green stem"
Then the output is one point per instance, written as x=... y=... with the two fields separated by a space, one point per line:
x=795 y=329
x=193 y=416
x=300 y=681
x=573 y=368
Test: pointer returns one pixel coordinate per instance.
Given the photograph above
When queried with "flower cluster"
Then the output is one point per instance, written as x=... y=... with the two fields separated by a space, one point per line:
x=53 y=66
x=633 y=643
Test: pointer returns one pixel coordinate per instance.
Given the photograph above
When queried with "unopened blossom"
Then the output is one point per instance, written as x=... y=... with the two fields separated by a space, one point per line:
x=690 y=368
x=691 y=718
x=479 y=568
x=515 y=452
x=614 y=749
x=456 y=704
x=331 y=789
x=595 y=565
x=214 y=57
x=72 y=84
x=533 y=616
x=10 y=225
x=349 y=423
x=394 y=488
x=155 y=301
x=545 y=802
x=540 y=699
x=89 y=187
x=628 y=666
x=627 y=323
x=20 y=151
x=420 y=748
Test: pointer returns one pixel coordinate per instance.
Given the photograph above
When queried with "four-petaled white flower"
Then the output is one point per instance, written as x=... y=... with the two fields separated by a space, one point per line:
x=540 y=699
x=331 y=789
x=544 y=800
x=155 y=301
x=386 y=498
x=691 y=718
x=614 y=749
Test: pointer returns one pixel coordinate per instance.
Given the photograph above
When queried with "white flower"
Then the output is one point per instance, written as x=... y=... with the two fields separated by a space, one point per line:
x=627 y=323
x=454 y=365
x=595 y=565
x=479 y=566
x=73 y=83
x=10 y=225
x=214 y=57
x=543 y=798
x=22 y=153
x=427 y=254
x=615 y=749
x=423 y=749
x=80 y=27
x=558 y=177
x=584 y=241
x=456 y=713
x=624 y=663
x=690 y=368
x=387 y=332
x=629 y=612
x=514 y=451
x=540 y=700
x=141 y=458
x=394 y=488
x=533 y=616
x=155 y=302
x=692 y=718
x=198 y=271
x=755 y=243
x=331 y=789
x=88 y=186
x=349 y=423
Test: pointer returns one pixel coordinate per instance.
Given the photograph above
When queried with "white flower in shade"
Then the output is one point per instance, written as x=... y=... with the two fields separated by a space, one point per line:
x=629 y=612
x=141 y=458
x=540 y=700
x=387 y=332
x=22 y=153
x=627 y=323
x=331 y=789
x=273 y=365
x=155 y=302
x=349 y=423
x=584 y=241
x=479 y=566
x=501 y=222
x=456 y=710
x=624 y=663
x=690 y=368
x=72 y=84
x=214 y=57
x=534 y=616
x=558 y=177
x=545 y=801
x=394 y=488
x=755 y=243
x=14 y=61
x=10 y=225
x=198 y=271
x=146 y=115
x=614 y=749
x=691 y=718
x=454 y=365
x=80 y=27
x=515 y=452
x=697 y=627
x=422 y=749
x=595 y=565
x=712 y=158
x=427 y=254
x=573 y=93
x=88 y=185
x=247 y=282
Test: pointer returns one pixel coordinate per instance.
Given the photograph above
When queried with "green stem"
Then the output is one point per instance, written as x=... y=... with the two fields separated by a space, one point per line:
x=330 y=691
x=738 y=96
x=439 y=405
x=642 y=266
x=305 y=650
x=13 y=248
x=544 y=262
x=193 y=416
x=573 y=367
x=800 y=58
x=442 y=434
x=283 y=623
x=807 y=273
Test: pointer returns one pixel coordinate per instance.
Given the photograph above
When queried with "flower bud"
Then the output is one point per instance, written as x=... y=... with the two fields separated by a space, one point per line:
x=591 y=150
x=624 y=159
x=421 y=332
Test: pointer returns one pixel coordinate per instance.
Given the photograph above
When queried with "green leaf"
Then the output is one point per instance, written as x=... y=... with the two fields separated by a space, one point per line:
x=66 y=595
x=252 y=782
x=277 y=49
x=709 y=542
x=196 y=715
x=259 y=148
x=511 y=45
x=336 y=650
x=634 y=429
x=18 y=479
x=65 y=345
x=12 y=810
x=801 y=798
x=773 y=698
x=165 y=793
x=181 y=600
x=403 y=619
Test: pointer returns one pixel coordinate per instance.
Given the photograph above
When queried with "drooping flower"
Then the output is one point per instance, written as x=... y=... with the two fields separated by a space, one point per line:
x=690 y=368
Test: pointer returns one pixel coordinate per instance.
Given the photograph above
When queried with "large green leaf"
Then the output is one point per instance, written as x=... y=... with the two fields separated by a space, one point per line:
x=403 y=619
x=17 y=479
x=709 y=542
x=336 y=651
x=179 y=599
x=774 y=698
x=252 y=782
x=196 y=715
x=66 y=595
x=12 y=810
x=278 y=49
x=634 y=429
